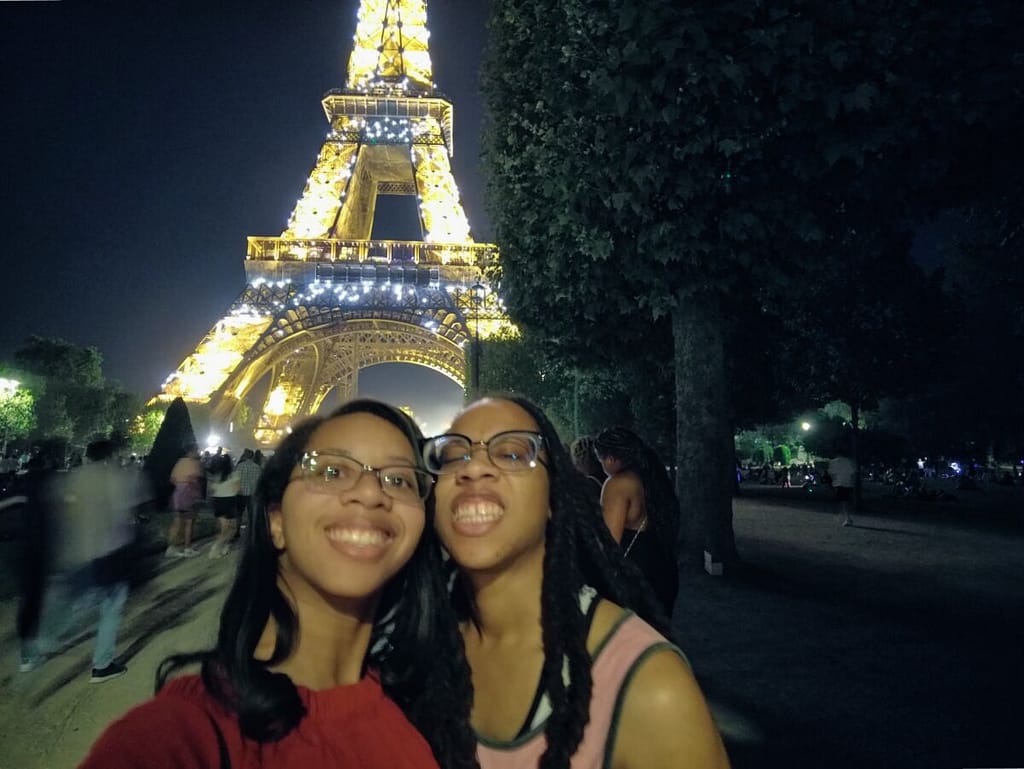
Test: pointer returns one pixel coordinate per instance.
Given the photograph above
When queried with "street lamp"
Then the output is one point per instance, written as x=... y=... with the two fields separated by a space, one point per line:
x=479 y=290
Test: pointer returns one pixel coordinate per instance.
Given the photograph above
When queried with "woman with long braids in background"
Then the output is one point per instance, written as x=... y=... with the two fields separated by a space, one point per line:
x=640 y=509
x=565 y=674
x=337 y=646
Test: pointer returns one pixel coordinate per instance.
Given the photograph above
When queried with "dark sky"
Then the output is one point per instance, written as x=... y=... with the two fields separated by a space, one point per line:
x=143 y=141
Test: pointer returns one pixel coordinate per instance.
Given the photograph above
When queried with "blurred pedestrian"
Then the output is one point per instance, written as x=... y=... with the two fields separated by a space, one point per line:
x=187 y=477
x=98 y=530
x=35 y=498
x=223 y=490
x=844 y=476
x=248 y=473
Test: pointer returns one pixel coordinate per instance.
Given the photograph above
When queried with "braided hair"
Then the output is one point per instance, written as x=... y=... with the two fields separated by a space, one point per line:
x=415 y=644
x=659 y=496
x=579 y=551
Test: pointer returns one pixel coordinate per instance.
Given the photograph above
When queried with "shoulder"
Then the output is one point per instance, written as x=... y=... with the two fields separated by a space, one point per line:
x=174 y=729
x=662 y=717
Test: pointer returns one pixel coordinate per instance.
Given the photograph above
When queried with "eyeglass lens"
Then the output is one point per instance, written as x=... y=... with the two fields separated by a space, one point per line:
x=330 y=473
x=510 y=451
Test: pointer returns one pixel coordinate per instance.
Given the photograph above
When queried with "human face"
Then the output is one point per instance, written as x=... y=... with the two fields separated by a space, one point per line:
x=348 y=544
x=491 y=520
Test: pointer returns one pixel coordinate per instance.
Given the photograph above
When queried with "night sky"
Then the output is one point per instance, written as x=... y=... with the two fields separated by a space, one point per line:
x=143 y=141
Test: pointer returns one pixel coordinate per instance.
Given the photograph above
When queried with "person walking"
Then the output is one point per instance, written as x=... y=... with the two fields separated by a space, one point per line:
x=248 y=473
x=98 y=531
x=223 y=491
x=187 y=477
x=36 y=503
x=844 y=476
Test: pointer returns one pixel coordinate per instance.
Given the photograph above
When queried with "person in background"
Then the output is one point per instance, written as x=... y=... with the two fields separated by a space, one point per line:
x=187 y=478
x=337 y=645
x=98 y=529
x=36 y=499
x=565 y=674
x=222 y=487
x=248 y=473
x=640 y=509
x=844 y=476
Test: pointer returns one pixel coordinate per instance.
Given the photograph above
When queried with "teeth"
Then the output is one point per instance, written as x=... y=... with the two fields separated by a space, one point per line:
x=478 y=512
x=357 y=536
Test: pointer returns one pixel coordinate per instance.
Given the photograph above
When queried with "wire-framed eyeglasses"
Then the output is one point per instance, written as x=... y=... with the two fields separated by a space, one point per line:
x=512 y=451
x=329 y=472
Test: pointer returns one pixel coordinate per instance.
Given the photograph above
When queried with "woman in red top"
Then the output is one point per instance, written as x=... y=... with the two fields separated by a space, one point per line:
x=336 y=646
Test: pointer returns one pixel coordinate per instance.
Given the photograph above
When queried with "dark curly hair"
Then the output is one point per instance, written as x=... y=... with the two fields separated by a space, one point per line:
x=579 y=551
x=415 y=645
x=659 y=497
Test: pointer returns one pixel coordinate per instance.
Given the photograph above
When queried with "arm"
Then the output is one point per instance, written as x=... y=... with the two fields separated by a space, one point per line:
x=615 y=499
x=665 y=722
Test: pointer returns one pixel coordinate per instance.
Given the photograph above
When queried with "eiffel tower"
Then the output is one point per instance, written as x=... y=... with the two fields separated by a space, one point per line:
x=323 y=299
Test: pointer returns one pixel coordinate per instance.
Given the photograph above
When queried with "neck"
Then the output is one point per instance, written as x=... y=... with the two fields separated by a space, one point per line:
x=508 y=602
x=332 y=640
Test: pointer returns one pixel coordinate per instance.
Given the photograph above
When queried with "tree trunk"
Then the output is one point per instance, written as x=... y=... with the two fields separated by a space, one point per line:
x=705 y=453
x=858 y=499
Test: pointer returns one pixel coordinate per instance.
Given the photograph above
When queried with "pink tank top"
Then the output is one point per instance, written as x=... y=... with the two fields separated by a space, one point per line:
x=615 y=661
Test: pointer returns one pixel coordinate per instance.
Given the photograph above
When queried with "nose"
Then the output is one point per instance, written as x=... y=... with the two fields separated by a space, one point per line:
x=478 y=465
x=368 y=489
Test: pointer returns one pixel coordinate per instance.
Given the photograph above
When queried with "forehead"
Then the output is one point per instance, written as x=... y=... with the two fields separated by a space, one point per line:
x=492 y=416
x=360 y=434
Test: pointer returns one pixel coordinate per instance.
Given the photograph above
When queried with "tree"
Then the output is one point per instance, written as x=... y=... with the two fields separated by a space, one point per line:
x=666 y=161
x=17 y=412
x=174 y=435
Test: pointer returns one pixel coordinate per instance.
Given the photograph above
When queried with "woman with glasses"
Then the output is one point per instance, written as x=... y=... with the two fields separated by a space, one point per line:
x=337 y=644
x=640 y=509
x=564 y=673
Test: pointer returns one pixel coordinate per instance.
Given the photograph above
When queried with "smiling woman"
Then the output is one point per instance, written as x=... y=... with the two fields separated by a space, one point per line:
x=565 y=673
x=337 y=629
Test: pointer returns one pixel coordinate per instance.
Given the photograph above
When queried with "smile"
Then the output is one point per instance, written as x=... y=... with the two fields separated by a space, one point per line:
x=477 y=512
x=361 y=537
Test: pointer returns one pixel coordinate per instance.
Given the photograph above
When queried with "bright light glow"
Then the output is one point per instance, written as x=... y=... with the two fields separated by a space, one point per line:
x=805 y=426
x=8 y=386
x=212 y=441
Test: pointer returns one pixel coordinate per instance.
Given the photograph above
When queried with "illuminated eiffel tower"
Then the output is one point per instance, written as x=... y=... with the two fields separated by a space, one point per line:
x=323 y=300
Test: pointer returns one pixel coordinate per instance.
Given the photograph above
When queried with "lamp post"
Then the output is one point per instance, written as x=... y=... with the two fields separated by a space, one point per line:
x=478 y=290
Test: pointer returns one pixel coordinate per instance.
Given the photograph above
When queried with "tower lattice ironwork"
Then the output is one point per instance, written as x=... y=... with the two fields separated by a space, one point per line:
x=323 y=299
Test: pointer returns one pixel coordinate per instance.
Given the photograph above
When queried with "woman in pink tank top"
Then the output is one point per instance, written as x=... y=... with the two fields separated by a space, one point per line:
x=565 y=674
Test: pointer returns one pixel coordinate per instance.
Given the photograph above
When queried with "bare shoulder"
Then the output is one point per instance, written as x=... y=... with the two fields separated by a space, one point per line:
x=665 y=721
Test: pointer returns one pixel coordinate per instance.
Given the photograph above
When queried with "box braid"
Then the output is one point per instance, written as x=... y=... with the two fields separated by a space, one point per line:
x=659 y=496
x=579 y=551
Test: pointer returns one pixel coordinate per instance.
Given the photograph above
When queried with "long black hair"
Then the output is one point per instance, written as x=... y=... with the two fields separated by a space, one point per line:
x=660 y=499
x=579 y=551
x=415 y=645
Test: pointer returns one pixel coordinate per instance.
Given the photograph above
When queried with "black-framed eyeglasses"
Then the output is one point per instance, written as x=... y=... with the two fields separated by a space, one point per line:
x=329 y=472
x=512 y=451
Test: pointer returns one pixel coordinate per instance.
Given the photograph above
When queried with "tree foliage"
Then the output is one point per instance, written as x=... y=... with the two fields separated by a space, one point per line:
x=174 y=435
x=652 y=160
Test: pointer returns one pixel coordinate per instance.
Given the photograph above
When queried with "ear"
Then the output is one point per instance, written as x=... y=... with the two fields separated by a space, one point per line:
x=276 y=520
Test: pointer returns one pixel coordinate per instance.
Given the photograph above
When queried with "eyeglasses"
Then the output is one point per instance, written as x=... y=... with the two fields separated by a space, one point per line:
x=511 y=451
x=326 y=472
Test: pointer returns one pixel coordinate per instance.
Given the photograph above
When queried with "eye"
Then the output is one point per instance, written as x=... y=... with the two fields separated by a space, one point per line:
x=513 y=449
x=400 y=478
x=451 y=452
